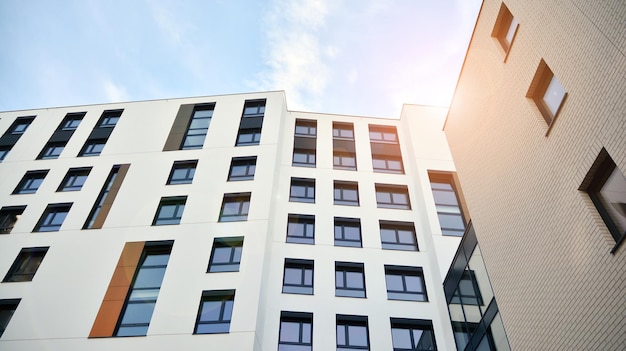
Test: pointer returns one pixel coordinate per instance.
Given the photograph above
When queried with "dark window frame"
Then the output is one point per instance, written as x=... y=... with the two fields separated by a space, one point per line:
x=386 y=133
x=341 y=189
x=339 y=158
x=20 y=125
x=9 y=215
x=257 y=107
x=304 y=342
x=398 y=243
x=537 y=92
x=405 y=293
x=46 y=224
x=93 y=147
x=342 y=284
x=248 y=164
x=392 y=190
x=306 y=128
x=243 y=201
x=109 y=118
x=342 y=223
x=7 y=310
x=341 y=128
x=178 y=202
x=235 y=246
x=307 y=269
x=255 y=139
x=52 y=150
x=413 y=325
x=442 y=184
x=305 y=221
x=505 y=22
x=386 y=159
x=345 y=322
x=31 y=181
x=309 y=156
x=72 y=121
x=189 y=169
x=74 y=179
x=227 y=303
x=26 y=264
x=307 y=185
x=191 y=131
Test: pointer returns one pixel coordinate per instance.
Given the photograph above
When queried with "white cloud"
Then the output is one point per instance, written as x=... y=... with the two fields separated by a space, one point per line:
x=114 y=92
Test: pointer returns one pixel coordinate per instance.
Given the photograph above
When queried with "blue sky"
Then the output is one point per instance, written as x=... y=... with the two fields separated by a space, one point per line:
x=364 y=57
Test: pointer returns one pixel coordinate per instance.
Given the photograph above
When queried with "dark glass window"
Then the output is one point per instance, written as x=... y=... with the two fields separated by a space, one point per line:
x=53 y=217
x=242 y=168
x=346 y=193
x=412 y=335
x=102 y=197
x=303 y=157
x=215 y=313
x=352 y=333
x=392 y=196
x=226 y=255
x=296 y=331
x=248 y=136
x=51 y=150
x=344 y=160
x=182 y=172
x=7 y=309
x=302 y=190
x=254 y=108
x=235 y=207
x=349 y=279
x=9 y=215
x=387 y=164
x=74 y=179
x=301 y=229
x=20 y=125
x=347 y=232
x=198 y=127
x=405 y=283
x=26 y=264
x=398 y=236
x=71 y=121
x=447 y=204
x=170 y=210
x=383 y=134
x=109 y=118
x=343 y=131
x=4 y=151
x=306 y=128
x=298 y=277
x=93 y=147
x=30 y=182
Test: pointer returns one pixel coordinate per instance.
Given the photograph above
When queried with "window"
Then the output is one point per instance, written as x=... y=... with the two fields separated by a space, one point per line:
x=109 y=118
x=352 y=333
x=405 y=283
x=349 y=279
x=198 y=127
x=71 y=121
x=170 y=210
x=137 y=313
x=226 y=255
x=343 y=131
x=467 y=292
x=301 y=229
x=215 y=313
x=302 y=190
x=447 y=203
x=9 y=215
x=248 y=136
x=4 y=151
x=254 y=108
x=7 y=309
x=298 y=277
x=306 y=128
x=93 y=147
x=20 y=125
x=387 y=164
x=412 y=335
x=346 y=193
x=392 y=196
x=296 y=331
x=505 y=28
x=53 y=217
x=347 y=232
x=107 y=195
x=182 y=172
x=235 y=207
x=303 y=157
x=383 y=134
x=26 y=264
x=344 y=160
x=30 y=182
x=547 y=93
x=242 y=168
x=398 y=236
x=51 y=150
x=606 y=185
x=74 y=179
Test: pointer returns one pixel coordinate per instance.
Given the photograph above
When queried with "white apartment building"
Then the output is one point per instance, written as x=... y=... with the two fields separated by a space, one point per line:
x=225 y=223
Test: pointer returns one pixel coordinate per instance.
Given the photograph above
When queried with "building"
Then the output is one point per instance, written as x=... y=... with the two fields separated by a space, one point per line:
x=537 y=130
x=210 y=220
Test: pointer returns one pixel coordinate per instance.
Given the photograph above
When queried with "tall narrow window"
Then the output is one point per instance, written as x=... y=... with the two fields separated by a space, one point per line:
x=347 y=232
x=301 y=229
x=405 y=283
x=198 y=127
x=182 y=172
x=547 y=93
x=53 y=217
x=226 y=254
x=30 y=182
x=242 y=168
x=298 y=277
x=26 y=264
x=305 y=143
x=251 y=123
x=215 y=313
x=349 y=279
x=447 y=203
x=505 y=28
x=352 y=333
x=346 y=193
x=170 y=210
x=100 y=134
x=7 y=309
x=235 y=207
x=398 y=236
x=296 y=331
x=13 y=134
x=392 y=196
x=74 y=179
x=412 y=334
x=107 y=195
x=302 y=190
x=9 y=215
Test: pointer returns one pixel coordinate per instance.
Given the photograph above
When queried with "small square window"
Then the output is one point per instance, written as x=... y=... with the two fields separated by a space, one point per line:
x=505 y=28
x=547 y=93
x=383 y=134
x=109 y=118
x=343 y=131
x=254 y=108
x=71 y=121
x=182 y=172
x=92 y=148
x=412 y=334
x=306 y=128
x=302 y=190
x=301 y=229
x=298 y=277
x=30 y=182
x=53 y=218
x=170 y=210
x=344 y=160
x=405 y=283
x=242 y=168
x=352 y=333
x=20 y=125
x=7 y=309
x=215 y=312
x=226 y=255
x=349 y=279
x=303 y=157
x=296 y=331
x=74 y=179
x=51 y=150
x=347 y=232
x=398 y=236
x=9 y=215
x=248 y=136
x=387 y=164
x=235 y=207
x=26 y=264
x=392 y=196
x=346 y=193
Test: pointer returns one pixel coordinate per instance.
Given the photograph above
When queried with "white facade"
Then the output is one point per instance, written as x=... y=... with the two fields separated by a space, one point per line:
x=58 y=307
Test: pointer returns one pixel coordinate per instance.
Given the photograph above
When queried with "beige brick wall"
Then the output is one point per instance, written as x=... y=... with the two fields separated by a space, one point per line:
x=546 y=248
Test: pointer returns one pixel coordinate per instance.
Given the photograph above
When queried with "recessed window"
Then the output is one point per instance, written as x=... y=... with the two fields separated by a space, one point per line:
x=53 y=218
x=198 y=127
x=235 y=207
x=383 y=134
x=20 y=125
x=7 y=309
x=301 y=229
x=343 y=131
x=392 y=196
x=242 y=168
x=226 y=255
x=215 y=313
x=447 y=203
x=405 y=283
x=344 y=160
x=505 y=28
x=254 y=108
x=303 y=157
x=347 y=232
x=412 y=334
x=387 y=164
x=170 y=210
x=109 y=118
x=9 y=215
x=346 y=193
x=352 y=333
x=93 y=147
x=51 y=150
x=302 y=190
x=349 y=279
x=306 y=128
x=547 y=93
x=72 y=121
x=74 y=179
x=398 y=236
x=298 y=277
x=296 y=331
x=248 y=136
x=26 y=264
x=30 y=182
x=182 y=172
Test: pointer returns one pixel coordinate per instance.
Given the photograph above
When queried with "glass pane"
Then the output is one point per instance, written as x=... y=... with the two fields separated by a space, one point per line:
x=238 y=170
x=228 y=310
x=293 y=276
x=306 y=332
x=132 y=331
x=384 y=198
x=380 y=164
x=397 y=165
x=394 y=282
x=156 y=260
x=231 y=208
x=221 y=254
x=202 y=113
x=339 y=283
x=212 y=328
x=511 y=31
x=554 y=95
x=210 y=311
x=298 y=191
x=413 y=283
x=149 y=277
x=424 y=339
x=202 y=123
x=237 y=254
x=451 y=221
x=401 y=338
x=308 y=277
x=290 y=332
x=406 y=237
x=295 y=229
x=144 y=295
x=341 y=335
x=357 y=335
x=138 y=313
x=354 y=280
x=194 y=141
x=352 y=233
x=400 y=198
x=445 y=198
x=388 y=235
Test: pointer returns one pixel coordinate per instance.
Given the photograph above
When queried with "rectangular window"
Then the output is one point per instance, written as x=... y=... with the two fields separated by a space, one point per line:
x=198 y=127
x=352 y=333
x=505 y=28
x=215 y=312
x=392 y=196
x=301 y=229
x=53 y=217
x=52 y=150
x=182 y=172
x=302 y=190
x=547 y=93
x=298 y=277
x=30 y=182
x=109 y=118
x=170 y=210
x=387 y=164
x=71 y=121
x=343 y=131
x=306 y=128
x=346 y=193
x=235 y=207
x=383 y=134
x=20 y=125
x=93 y=147
x=253 y=108
x=74 y=179
x=303 y=157
x=248 y=136
x=398 y=236
x=447 y=203
x=347 y=232
x=242 y=168
x=107 y=195
x=144 y=291
x=26 y=264
x=9 y=215
x=405 y=283
x=226 y=255
x=296 y=331
x=349 y=279
x=344 y=160
x=412 y=334
x=4 y=151
x=7 y=309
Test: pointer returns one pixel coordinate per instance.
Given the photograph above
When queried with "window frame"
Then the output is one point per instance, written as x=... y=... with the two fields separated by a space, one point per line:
x=398 y=227
x=339 y=127
x=52 y=150
x=538 y=89
x=339 y=193
x=189 y=168
x=20 y=125
x=235 y=244
x=93 y=147
x=309 y=154
x=301 y=318
x=30 y=182
x=342 y=223
x=391 y=190
x=46 y=225
x=345 y=322
x=446 y=209
x=259 y=104
x=340 y=156
x=225 y=314
x=307 y=185
x=26 y=265
x=248 y=163
x=405 y=294
x=387 y=159
x=71 y=121
x=244 y=207
x=10 y=306
x=73 y=176
x=305 y=221
x=306 y=268
x=342 y=287
x=178 y=202
x=412 y=325
x=309 y=125
x=255 y=139
x=9 y=216
x=384 y=132
x=197 y=131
